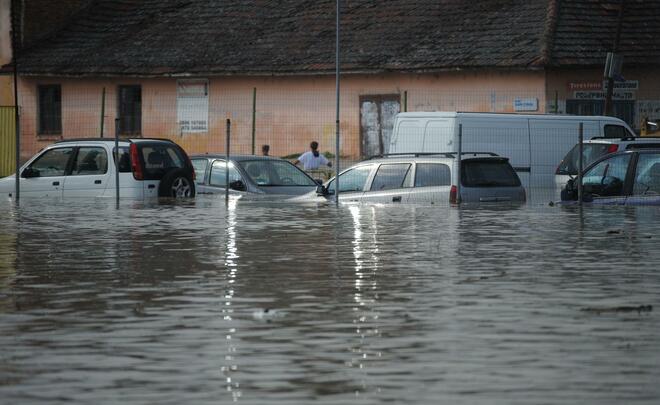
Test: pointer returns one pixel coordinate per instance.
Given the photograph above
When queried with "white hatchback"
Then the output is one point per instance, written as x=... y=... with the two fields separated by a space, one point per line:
x=86 y=168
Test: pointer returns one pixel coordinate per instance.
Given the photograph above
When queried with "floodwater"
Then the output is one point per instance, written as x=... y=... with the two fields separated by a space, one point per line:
x=164 y=303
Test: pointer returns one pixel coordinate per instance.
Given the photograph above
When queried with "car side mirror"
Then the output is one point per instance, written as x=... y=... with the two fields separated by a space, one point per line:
x=237 y=185
x=321 y=190
x=30 y=173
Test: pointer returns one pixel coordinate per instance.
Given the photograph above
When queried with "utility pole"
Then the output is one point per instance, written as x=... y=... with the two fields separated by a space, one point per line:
x=609 y=73
x=13 y=9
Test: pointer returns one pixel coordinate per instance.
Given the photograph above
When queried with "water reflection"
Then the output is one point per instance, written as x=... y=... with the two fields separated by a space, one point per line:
x=165 y=303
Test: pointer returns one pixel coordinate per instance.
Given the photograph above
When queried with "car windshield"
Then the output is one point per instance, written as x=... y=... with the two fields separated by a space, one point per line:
x=273 y=173
x=488 y=173
x=590 y=153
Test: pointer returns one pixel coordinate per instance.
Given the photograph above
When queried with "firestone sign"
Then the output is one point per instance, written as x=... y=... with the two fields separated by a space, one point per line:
x=624 y=90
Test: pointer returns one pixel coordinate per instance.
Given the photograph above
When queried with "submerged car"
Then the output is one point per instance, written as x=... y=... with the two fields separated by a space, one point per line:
x=625 y=178
x=250 y=174
x=87 y=168
x=425 y=179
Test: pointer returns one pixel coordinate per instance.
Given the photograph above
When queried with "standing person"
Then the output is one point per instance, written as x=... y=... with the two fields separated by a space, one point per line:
x=312 y=159
x=265 y=149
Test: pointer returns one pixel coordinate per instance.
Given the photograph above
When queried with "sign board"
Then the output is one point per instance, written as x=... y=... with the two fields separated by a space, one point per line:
x=600 y=95
x=192 y=105
x=526 y=104
x=601 y=86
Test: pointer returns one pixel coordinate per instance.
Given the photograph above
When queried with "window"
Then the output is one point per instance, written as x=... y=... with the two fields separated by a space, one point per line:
x=275 y=173
x=488 y=173
x=390 y=176
x=50 y=109
x=590 y=153
x=90 y=161
x=130 y=110
x=159 y=159
x=352 y=180
x=615 y=131
x=606 y=179
x=52 y=163
x=432 y=174
x=124 y=159
x=647 y=179
x=219 y=173
x=200 y=166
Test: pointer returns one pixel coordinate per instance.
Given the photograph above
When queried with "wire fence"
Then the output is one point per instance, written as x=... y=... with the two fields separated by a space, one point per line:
x=288 y=117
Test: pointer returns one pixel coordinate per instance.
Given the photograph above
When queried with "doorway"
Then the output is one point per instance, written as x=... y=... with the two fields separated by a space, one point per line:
x=377 y=113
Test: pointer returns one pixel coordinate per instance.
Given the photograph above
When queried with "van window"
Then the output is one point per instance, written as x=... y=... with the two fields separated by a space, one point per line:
x=432 y=174
x=389 y=177
x=89 y=161
x=488 y=173
x=124 y=159
x=590 y=153
x=52 y=163
x=615 y=131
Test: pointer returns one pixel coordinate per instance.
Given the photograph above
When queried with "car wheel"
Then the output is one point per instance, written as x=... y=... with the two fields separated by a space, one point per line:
x=177 y=183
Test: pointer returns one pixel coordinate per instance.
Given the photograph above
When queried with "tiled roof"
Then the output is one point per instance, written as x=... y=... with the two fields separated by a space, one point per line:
x=265 y=37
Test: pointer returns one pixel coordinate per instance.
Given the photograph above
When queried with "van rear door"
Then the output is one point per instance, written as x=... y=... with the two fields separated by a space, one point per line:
x=506 y=136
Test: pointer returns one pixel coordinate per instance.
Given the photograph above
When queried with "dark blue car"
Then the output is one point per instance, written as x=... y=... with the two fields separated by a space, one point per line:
x=626 y=178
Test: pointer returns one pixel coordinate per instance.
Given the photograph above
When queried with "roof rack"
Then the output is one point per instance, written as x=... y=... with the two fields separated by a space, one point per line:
x=111 y=139
x=627 y=138
x=420 y=154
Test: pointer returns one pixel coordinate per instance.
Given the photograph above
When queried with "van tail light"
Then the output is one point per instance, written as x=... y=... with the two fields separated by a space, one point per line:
x=453 y=193
x=136 y=166
x=612 y=148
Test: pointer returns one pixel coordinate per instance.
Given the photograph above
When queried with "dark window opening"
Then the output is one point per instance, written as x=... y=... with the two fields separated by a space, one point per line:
x=130 y=110
x=50 y=109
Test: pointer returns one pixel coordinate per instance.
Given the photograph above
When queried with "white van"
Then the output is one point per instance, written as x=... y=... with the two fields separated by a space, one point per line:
x=534 y=144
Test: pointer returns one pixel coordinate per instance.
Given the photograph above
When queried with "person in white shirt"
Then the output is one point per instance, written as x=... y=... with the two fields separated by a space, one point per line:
x=313 y=159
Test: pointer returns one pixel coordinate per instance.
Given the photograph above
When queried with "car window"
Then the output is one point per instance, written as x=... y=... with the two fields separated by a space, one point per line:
x=352 y=180
x=274 y=173
x=606 y=179
x=124 y=159
x=89 y=161
x=647 y=177
x=488 y=173
x=52 y=163
x=644 y=145
x=219 y=173
x=432 y=174
x=615 y=131
x=159 y=159
x=590 y=153
x=390 y=176
x=200 y=166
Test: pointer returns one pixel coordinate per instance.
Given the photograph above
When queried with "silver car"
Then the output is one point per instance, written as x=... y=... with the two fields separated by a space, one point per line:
x=425 y=179
x=250 y=174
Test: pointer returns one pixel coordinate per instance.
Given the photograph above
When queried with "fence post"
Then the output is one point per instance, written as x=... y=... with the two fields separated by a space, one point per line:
x=117 y=160
x=254 y=118
x=227 y=162
x=102 y=110
x=458 y=163
x=580 y=163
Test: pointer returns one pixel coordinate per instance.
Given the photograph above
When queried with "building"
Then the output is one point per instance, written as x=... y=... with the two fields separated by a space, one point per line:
x=181 y=68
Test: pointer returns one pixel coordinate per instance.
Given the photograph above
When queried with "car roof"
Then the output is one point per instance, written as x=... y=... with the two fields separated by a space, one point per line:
x=112 y=140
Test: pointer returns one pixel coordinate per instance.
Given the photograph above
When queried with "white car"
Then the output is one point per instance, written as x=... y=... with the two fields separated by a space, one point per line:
x=425 y=178
x=86 y=168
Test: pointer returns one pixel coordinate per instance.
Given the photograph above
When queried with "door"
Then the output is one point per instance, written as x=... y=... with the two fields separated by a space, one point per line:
x=46 y=173
x=89 y=173
x=391 y=184
x=432 y=184
x=218 y=178
x=605 y=182
x=377 y=115
x=352 y=183
x=646 y=184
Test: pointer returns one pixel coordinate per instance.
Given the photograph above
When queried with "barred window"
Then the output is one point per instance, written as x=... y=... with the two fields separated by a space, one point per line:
x=50 y=109
x=130 y=110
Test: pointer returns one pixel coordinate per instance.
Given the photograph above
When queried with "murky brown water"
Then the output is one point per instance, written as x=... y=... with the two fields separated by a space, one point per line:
x=194 y=303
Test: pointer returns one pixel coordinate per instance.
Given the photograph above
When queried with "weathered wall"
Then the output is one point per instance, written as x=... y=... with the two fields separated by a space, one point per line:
x=291 y=111
x=6 y=87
